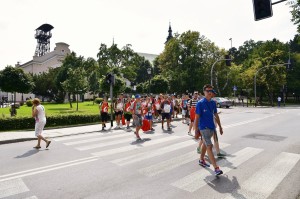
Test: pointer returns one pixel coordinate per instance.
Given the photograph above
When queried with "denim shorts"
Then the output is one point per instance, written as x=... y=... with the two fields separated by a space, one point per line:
x=138 y=121
x=207 y=135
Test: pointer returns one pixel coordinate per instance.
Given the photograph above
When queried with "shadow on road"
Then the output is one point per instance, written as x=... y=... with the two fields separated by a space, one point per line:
x=28 y=153
x=224 y=185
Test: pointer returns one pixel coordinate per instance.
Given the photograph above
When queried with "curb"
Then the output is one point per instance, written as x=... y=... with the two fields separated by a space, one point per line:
x=30 y=139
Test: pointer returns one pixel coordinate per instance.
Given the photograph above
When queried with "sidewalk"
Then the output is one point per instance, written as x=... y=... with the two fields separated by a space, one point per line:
x=21 y=136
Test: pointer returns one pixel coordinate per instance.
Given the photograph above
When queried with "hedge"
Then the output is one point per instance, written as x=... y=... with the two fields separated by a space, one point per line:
x=17 y=123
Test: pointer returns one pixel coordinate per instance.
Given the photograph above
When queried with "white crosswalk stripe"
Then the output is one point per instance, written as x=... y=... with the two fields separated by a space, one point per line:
x=134 y=147
x=192 y=181
x=200 y=178
x=146 y=155
x=172 y=163
x=12 y=187
x=72 y=137
x=32 y=197
x=114 y=142
x=97 y=139
x=263 y=183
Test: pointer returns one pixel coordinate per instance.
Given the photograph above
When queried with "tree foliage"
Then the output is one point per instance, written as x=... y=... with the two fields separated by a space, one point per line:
x=14 y=79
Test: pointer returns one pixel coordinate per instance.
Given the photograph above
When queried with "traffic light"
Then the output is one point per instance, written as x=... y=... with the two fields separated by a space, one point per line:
x=110 y=78
x=262 y=9
x=227 y=60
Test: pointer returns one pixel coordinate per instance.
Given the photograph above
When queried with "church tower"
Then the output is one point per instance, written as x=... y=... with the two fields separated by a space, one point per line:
x=170 y=36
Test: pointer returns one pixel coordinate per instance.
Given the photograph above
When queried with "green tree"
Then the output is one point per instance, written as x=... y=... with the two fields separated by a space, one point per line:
x=270 y=79
x=45 y=85
x=15 y=80
x=70 y=61
x=187 y=59
x=296 y=13
x=93 y=83
x=159 y=84
x=118 y=87
x=76 y=83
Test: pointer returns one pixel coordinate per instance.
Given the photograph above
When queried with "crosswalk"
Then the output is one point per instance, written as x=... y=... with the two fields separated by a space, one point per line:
x=11 y=188
x=162 y=146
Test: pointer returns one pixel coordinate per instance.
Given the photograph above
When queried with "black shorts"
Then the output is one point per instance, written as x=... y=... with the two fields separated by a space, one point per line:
x=165 y=115
x=104 y=116
x=118 y=113
x=127 y=116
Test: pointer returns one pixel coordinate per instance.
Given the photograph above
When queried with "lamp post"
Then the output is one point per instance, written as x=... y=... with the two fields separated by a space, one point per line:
x=149 y=73
x=212 y=68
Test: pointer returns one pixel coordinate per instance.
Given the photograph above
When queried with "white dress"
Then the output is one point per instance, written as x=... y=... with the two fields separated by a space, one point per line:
x=40 y=120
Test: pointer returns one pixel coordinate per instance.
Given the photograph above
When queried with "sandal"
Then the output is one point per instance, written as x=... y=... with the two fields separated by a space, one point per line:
x=48 y=143
x=36 y=147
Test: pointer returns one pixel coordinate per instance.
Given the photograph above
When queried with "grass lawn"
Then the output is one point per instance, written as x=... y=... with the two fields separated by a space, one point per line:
x=55 y=109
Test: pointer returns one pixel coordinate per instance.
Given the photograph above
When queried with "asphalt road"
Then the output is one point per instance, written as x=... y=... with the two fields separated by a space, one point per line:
x=263 y=161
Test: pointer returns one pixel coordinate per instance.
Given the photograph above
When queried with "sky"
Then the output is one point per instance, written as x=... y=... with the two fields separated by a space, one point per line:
x=85 y=24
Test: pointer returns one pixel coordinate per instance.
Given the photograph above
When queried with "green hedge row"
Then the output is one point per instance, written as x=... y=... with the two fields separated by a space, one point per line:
x=17 y=123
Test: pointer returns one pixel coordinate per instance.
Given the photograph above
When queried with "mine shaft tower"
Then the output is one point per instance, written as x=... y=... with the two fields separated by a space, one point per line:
x=43 y=35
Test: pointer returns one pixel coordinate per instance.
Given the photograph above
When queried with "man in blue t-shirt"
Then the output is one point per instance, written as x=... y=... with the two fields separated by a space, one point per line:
x=206 y=111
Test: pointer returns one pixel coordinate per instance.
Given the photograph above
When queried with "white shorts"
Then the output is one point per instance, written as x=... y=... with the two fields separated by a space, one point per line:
x=183 y=112
x=39 y=127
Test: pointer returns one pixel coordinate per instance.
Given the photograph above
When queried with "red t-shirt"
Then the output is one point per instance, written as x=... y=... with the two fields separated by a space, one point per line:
x=104 y=107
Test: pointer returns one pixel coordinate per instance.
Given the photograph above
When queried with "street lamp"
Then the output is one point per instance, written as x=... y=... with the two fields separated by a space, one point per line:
x=212 y=68
x=149 y=73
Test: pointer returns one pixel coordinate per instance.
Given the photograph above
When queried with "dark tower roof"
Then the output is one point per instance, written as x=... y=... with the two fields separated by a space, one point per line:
x=45 y=27
x=43 y=35
x=170 y=36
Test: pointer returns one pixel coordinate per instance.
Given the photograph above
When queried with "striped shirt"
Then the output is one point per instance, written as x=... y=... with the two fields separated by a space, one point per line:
x=193 y=103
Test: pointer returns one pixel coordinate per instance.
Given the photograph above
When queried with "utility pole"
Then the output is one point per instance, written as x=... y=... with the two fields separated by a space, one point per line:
x=111 y=105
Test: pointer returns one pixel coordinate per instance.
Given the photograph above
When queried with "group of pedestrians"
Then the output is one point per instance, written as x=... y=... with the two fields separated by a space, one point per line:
x=199 y=112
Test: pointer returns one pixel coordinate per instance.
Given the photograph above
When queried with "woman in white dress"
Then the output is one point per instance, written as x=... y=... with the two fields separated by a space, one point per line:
x=38 y=112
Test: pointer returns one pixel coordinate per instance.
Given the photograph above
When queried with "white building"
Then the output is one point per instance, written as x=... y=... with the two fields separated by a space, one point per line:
x=50 y=60
x=40 y=64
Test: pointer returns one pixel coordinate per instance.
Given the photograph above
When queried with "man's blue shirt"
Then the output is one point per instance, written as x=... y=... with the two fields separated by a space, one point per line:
x=206 y=110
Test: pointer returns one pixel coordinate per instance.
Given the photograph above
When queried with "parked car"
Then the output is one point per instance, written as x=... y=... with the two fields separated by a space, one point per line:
x=222 y=102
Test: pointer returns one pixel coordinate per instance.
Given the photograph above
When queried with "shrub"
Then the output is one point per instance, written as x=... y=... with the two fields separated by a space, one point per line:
x=29 y=103
x=17 y=123
x=98 y=100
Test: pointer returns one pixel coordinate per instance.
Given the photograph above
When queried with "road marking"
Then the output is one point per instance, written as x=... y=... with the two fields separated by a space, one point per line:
x=45 y=169
x=97 y=139
x=200 y=178
x=172 y=163
x=71 y=137
x=114 y=142
x=12 y=187
x=134 y=147
x=86 y=135
x=246 y=122
x=31 y=197
x=263 y=183
x=146 y=155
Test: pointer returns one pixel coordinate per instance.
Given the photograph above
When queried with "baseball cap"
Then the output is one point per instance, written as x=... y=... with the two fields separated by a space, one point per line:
x=137 y=96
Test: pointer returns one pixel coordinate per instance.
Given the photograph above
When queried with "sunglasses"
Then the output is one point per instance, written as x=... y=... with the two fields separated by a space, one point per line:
x=209 y=91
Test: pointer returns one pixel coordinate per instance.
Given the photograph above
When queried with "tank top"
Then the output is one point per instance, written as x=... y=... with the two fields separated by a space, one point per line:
x=41 y=116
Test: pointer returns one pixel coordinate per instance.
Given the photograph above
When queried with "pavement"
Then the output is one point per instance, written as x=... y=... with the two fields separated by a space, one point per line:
x=27 y=135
